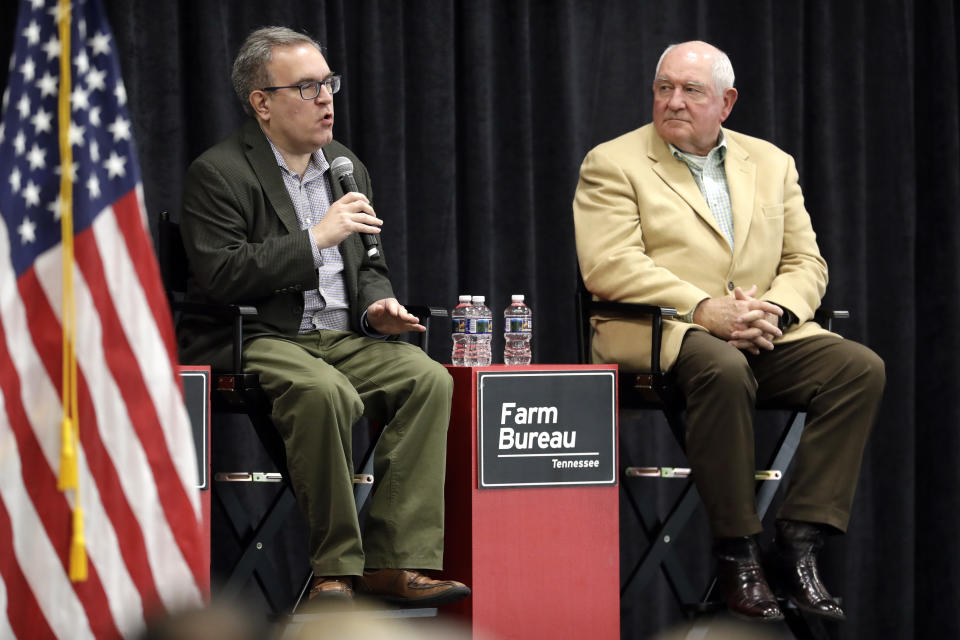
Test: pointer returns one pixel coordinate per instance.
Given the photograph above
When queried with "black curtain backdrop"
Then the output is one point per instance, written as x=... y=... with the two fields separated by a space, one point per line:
x=473 y=118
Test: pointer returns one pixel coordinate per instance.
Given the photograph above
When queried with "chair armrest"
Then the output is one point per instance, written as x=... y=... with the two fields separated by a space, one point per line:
x=234 y=312
x=587 y=307
x=423 y=311
x=825 y=317
x=654 y=312
x=426 y=313
x=214 y=310
x=632 y=309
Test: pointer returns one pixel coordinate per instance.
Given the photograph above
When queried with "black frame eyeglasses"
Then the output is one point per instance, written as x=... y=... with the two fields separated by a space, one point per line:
x=310 y=90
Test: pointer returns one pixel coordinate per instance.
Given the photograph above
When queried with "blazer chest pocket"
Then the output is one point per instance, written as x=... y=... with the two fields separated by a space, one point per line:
x=773 y=211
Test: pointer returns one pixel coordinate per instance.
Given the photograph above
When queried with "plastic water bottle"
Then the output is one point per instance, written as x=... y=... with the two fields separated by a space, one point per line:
x=482 y=327
x=460 y=330
x=517 y=331
x=470 y=345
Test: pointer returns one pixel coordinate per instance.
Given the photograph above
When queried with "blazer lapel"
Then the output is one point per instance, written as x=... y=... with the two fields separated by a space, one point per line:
x=264 y=164
x=742 y=182
x=677 y=176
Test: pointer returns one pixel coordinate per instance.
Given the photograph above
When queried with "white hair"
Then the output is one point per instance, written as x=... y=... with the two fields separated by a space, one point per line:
x=721 y=70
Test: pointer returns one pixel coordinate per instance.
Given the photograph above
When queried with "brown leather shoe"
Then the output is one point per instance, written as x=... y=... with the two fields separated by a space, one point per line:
x=745 y=589
x=408 y=586
x=331 y=587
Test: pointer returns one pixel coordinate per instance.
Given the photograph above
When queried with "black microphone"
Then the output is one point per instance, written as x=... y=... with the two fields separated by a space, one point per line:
x=342 y=169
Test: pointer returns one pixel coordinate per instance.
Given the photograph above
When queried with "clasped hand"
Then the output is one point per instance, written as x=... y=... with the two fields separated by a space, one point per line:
x=352 y=213
x=743 y=321
x=389 y=317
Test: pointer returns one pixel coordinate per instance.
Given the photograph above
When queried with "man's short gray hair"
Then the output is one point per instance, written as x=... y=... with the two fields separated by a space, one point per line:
x=721 y=70
x=250 y=66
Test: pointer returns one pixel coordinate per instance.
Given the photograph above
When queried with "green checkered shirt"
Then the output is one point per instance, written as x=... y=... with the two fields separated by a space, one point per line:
x=711 y=177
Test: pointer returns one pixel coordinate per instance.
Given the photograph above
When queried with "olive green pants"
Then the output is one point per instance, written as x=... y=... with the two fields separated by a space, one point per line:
x=840 y=382
x=321 y=383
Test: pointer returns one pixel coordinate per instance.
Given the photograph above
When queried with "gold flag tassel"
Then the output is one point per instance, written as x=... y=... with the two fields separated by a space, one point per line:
x=70 y=427
x=78 y=547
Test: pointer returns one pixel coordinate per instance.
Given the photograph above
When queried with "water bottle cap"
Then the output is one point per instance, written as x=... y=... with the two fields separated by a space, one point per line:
x=479 y=298
x=465 y=298
x=517 y=297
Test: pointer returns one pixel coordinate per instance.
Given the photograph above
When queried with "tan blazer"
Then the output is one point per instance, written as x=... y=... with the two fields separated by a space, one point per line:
x=645 y=234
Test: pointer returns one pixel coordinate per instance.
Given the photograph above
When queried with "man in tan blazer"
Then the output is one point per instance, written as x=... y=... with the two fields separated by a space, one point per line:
x=684 y=213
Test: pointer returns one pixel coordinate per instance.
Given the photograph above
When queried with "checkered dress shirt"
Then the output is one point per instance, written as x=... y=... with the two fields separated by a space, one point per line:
x=710 y=174
x=325 y=307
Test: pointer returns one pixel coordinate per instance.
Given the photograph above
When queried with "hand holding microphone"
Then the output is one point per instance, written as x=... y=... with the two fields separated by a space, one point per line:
x=350 y=214
x=342 y=170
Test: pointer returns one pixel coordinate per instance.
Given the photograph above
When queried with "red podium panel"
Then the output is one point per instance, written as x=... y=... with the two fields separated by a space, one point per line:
x=542 y=562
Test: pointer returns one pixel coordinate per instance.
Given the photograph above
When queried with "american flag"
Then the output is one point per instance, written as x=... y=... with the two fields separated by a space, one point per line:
x=135 y=455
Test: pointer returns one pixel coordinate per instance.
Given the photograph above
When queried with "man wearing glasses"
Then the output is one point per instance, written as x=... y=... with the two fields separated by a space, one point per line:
x=264 y=224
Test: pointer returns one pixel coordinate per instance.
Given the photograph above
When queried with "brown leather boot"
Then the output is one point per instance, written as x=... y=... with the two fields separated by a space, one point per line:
x=410 y=587
x=741 y=579
x=797 y=545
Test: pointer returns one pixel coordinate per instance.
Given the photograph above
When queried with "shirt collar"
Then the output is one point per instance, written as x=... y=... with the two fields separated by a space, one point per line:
x=716 y=155
x=317 y=166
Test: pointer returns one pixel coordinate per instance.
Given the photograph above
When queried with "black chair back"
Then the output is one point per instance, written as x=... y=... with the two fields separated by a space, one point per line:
x=172 y=256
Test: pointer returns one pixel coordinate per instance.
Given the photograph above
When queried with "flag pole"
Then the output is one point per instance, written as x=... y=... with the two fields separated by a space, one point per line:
x=70 y=428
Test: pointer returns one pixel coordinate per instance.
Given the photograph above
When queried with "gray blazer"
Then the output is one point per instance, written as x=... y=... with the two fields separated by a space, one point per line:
x=244 y=246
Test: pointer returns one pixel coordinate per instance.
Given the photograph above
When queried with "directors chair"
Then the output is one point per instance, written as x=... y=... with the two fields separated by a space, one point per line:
x=654 y=389
x=239 y=393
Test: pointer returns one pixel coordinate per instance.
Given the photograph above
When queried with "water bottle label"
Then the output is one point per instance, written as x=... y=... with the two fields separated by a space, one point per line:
x=460 y=325
x=519 y=325
x=480 y=325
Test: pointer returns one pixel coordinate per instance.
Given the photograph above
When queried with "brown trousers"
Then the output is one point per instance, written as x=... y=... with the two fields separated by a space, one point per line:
x=840 y=383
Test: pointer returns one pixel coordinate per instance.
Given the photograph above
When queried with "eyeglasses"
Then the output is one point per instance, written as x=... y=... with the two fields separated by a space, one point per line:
x=310 y=90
